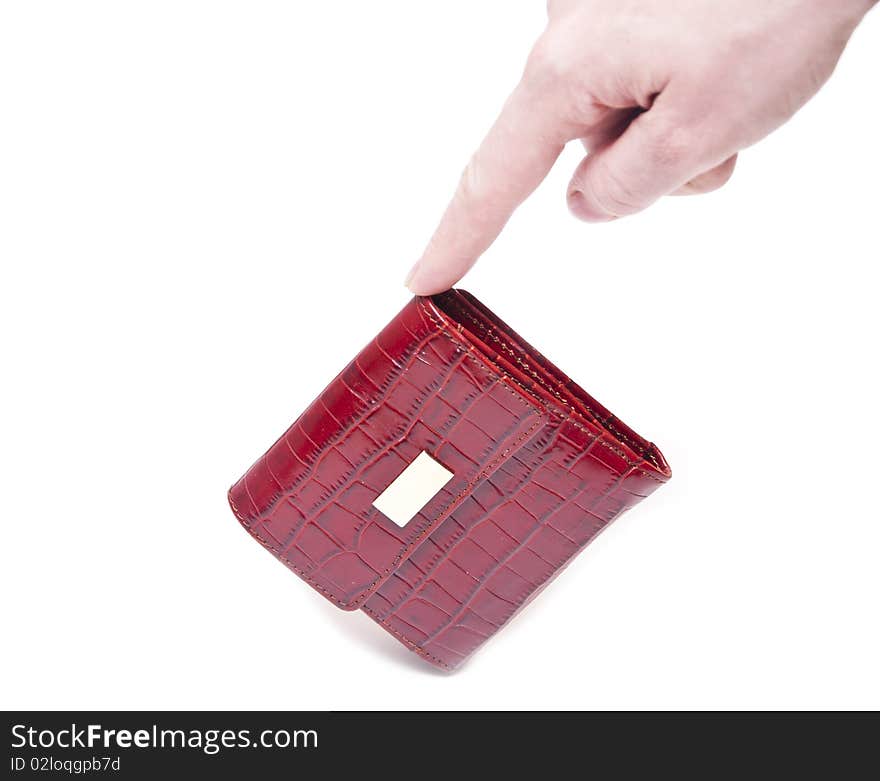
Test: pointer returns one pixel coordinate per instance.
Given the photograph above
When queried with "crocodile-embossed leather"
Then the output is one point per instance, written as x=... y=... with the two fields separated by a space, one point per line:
x=540 y=468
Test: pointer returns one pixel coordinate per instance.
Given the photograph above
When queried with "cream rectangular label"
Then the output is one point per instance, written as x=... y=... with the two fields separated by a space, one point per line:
x=413 y=488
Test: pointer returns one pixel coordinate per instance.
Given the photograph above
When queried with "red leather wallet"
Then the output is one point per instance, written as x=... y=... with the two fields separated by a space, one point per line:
x=446 y=475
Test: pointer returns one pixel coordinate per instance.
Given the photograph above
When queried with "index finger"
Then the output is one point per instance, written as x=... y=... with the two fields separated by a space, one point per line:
x=512 y=161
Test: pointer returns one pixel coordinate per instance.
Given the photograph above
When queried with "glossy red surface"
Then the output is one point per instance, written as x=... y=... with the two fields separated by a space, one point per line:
x=540 y=468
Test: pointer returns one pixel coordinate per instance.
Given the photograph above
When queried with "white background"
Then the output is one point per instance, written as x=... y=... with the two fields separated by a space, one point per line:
x=207 y=208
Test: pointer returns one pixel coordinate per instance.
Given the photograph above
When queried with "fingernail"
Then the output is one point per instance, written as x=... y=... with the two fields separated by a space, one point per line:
x=581 y=208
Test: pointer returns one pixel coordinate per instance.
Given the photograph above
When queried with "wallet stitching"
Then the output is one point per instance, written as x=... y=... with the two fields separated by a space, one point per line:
x=489 y=332
x=565 y=414
x=412 y=645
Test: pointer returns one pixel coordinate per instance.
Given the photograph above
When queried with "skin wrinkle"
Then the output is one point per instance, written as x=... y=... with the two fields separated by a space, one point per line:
x=663 y=97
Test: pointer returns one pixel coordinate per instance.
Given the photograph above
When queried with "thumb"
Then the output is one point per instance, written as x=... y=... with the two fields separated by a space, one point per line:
x=654 y=156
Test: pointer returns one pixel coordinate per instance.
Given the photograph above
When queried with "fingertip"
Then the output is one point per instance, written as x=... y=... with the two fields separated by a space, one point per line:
x=416 y=289
x=407 y=280
x=419 y=289
x=422 y=281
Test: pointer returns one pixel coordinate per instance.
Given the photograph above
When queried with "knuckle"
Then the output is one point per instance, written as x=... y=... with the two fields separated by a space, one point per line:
x=669 y=138
x=670 y=144
x=612 y=193
x=548 y=64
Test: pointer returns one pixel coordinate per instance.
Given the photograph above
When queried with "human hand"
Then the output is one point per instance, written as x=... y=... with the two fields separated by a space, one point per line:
x=663 y=96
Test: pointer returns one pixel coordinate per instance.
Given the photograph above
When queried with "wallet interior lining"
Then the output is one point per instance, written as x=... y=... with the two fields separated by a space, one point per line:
x=468 y=313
